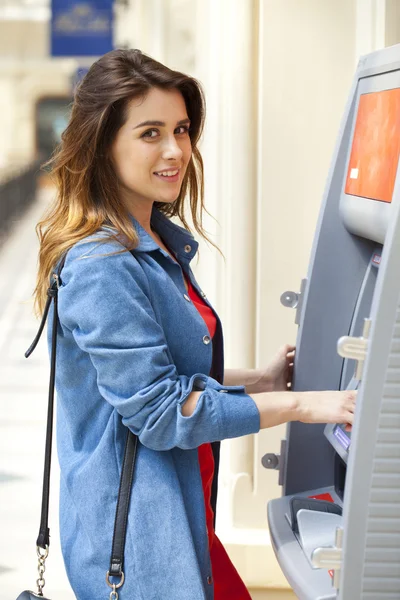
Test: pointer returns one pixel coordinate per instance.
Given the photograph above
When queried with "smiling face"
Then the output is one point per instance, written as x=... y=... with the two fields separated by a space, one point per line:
x=152 y=149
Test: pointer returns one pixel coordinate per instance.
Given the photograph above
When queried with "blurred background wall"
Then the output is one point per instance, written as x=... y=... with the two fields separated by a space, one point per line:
x=276 y=74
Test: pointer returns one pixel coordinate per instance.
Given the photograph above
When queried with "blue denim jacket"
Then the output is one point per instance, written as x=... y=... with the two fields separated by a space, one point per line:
x=131 y=348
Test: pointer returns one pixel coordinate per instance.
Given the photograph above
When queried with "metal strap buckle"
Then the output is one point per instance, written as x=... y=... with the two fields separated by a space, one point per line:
x=114 y=586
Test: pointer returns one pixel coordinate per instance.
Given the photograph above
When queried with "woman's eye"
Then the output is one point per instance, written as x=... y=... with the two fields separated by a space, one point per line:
x=154 y=133
x=148 y=134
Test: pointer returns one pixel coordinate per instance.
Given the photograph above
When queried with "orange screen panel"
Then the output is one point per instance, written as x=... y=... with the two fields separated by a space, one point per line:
x=376 y=146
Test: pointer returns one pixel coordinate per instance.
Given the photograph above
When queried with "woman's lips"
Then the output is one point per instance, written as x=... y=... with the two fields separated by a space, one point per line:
x=172 y=179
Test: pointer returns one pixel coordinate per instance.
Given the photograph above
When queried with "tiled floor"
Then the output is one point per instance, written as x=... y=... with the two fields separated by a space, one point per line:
x=23 y=407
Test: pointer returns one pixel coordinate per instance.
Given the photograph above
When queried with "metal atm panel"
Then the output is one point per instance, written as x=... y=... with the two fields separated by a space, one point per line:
x=350 y=279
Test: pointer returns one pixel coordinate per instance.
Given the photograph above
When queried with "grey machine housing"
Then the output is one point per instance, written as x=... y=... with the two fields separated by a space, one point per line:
x=348 y=338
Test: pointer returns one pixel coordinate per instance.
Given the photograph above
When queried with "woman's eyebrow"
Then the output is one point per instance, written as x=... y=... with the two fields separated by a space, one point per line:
x=159 y=123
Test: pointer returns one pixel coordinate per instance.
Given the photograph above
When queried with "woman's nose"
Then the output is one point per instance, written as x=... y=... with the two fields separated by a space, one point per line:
x=172 y=149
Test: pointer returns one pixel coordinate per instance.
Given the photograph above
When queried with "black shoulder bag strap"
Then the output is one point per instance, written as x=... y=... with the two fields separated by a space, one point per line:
x=125 y=487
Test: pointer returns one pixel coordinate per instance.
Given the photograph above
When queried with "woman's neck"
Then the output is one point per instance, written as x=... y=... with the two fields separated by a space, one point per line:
x=141 y=211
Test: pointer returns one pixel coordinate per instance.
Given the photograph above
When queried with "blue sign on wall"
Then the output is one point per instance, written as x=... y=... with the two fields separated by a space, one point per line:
x=81 y=27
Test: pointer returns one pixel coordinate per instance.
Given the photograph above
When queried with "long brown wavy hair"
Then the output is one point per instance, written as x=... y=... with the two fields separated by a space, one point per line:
x=87 y=186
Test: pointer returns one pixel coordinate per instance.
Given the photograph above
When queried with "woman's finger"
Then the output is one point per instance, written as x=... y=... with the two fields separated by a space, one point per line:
x=350 y=403
x=349 y=418
x=289 y=349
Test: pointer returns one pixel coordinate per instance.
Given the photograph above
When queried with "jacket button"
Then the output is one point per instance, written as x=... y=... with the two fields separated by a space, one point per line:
x=202 y=294
x=209 y=580
x=188 y=248
x=206 y=339
x=186 y=297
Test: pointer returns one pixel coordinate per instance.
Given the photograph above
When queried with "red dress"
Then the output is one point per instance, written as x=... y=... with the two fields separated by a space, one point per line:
x=227 y=582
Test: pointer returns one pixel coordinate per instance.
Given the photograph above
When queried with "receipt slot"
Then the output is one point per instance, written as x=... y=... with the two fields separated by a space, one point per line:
x=336 y=528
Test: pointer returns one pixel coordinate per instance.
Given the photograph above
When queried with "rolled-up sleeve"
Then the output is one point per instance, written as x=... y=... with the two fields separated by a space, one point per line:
x=105 y=301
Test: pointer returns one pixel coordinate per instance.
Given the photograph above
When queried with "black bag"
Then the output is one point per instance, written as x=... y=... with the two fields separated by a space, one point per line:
x=43 y=541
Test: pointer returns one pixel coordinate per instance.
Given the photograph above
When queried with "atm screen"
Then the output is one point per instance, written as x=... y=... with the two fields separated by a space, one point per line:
x=336 y=434
x=339 y=439
x=376 y=146
x=343 y=436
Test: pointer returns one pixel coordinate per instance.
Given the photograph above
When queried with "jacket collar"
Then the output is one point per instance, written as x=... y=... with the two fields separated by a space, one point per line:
x=178 y=239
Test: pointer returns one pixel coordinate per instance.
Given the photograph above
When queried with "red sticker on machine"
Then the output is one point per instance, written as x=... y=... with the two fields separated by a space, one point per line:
x=376 y=259
x=326 y=497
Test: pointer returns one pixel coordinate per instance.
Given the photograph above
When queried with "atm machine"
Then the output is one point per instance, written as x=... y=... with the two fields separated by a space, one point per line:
x=336 y=529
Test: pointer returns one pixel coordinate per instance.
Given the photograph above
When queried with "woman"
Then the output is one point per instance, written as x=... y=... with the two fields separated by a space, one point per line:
x=140 y=347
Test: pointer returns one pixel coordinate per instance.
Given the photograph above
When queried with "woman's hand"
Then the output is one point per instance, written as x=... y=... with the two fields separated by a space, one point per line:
x=327 y=407
x=277 y=376
x=308 y=407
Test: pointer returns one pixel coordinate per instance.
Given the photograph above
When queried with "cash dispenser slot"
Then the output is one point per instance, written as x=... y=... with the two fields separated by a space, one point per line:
x=296 y=530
